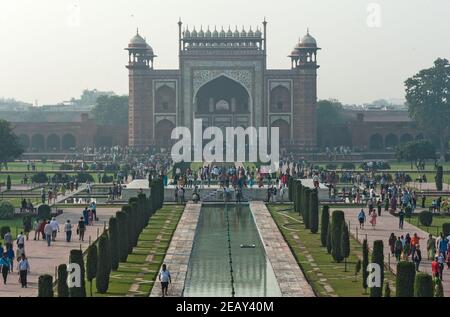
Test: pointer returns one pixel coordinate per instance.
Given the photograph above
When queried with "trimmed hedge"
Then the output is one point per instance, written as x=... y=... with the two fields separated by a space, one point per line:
x=423 y=285
x=306 y=212
x=44 y=212
x=63 y=289
x=337 y=219
x=329 y=245
x=324 y=225
x=314 y=211
x=4 y=230
x=6 y=210
x=426 y=218
x=39 y=178
x=113 y=231
x=91 y=265
x=365 y=263
x=438 y=288
x=122 y=226
x=76 y=256
x=345 y=241
x=103 y=264
x=8 y=183
x=406 y=273
x=378 y=258
x=439 y=178
x=45 y=286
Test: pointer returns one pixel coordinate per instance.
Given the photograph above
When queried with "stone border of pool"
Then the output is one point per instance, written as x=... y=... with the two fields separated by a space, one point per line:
x=179 y=252
x=290 y=278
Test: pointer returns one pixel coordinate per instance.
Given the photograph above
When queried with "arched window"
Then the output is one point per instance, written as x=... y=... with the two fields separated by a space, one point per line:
x=280 y=99
x=284 y=130
x=165 y=100
x=163 y=132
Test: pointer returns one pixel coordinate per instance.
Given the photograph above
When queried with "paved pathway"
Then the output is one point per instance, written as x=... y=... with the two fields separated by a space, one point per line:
x=44 y=259
x=386 y=224
x=289 y=276
x=179 y=251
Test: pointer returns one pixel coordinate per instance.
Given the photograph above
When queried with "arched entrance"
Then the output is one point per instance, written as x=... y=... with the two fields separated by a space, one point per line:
x=223 y=102
x=163 y=131
x=284 y=130
x=391 y=141
x=68 y=142
x=376 y=142
x=24 y=140
x=38 y=142
x=53 y=143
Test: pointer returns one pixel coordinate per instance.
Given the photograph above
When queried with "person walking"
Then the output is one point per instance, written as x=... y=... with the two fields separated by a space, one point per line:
x=415 y=241
x=4 y=266
x=81 y=229
x=441 y=260
x=379 y=207
x=165 y=279
x=401 y=219
x=8 y=240
x=36 y=226
x=435 y=268
x=417 y=258
x=361 y=219
x=392 y=240
x=398 y=248
x=48 y=231
x=68 y=230
x=55 y=228
x=11 y=256
x=431 y=247
x=20 y=240
x=23 y=268
x=373 y=219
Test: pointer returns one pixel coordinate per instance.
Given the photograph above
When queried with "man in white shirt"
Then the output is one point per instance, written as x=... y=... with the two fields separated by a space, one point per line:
x=55 y=228
x=165 y=279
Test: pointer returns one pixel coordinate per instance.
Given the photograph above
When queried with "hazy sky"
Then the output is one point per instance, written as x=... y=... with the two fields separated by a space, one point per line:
x=52 y=49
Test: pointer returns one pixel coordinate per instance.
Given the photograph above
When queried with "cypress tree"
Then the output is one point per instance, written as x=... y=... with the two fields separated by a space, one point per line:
x=365 y=263
x=122 y=226
x=329 y=245
x=324 y=225
x=130 y=227
x=45 y=286
x=439 y=178
x=103 y=264
x=387 y=290
x=8 y=183
x=423 y=285
x=298 y=197
x=306 y=211
x=406 y=273
x=378 y=258
x=114 y=243
x=314 y=211
x=91 y=265
x=62 y=288
x=136 y=229
x=345 y=243
x=76 y=256
x=337 y=219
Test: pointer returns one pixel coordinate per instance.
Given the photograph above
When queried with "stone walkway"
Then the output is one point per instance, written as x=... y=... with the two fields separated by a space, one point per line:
x=289 y=276
x=179 y=252
x=44 y=259
x=386 y=224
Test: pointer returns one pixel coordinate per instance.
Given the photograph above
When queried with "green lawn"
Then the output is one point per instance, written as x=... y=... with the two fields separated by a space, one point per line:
x=154 y=242
x=343 y=283
x=436 y=226
x=16 y=225
x=22 y=166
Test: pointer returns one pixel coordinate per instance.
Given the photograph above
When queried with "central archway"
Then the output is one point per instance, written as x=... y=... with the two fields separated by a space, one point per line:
x=223 y=102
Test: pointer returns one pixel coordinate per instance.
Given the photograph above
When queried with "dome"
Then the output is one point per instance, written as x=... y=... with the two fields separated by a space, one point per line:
x=222 y=33
x=295 y=52
x=236 y=33
x=150 y=50
x=194 y=33
x=137 y=41
x=215 y=33
x=308 y=41
x=250 y=33
x=208 y=33
x=258 y=33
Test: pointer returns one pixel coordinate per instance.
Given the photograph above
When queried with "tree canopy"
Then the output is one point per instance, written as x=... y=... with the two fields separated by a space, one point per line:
x=428 y=99
x=111 y=110
x=416 y=151
x=10 y=147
